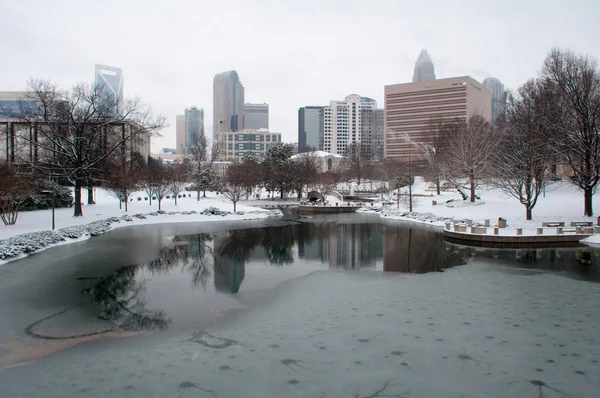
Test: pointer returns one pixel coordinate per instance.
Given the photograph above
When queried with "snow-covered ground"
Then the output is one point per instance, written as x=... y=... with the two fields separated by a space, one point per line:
x=562 y=202
x=32 y=232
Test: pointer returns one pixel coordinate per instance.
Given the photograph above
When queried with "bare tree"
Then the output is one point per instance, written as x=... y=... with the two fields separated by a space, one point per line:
x=78 y=129
x=156 y=176
x=434 y=150
x=469 y=153
x=234 y=184
x=573 y=113
x=177 y=179
x=525 y=156
x=123 y=176
x=306 y=168
x=15 y=189
x=357 y=159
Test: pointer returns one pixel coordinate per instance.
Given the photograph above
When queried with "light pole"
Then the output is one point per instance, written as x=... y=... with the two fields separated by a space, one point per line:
x=53 y=193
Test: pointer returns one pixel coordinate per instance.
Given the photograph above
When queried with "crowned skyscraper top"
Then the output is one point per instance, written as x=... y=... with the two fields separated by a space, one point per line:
x=110 y=83
x=424 y=69
x=228 y=103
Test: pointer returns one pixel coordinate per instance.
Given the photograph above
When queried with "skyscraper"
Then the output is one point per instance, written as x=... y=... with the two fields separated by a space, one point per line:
x=256 y=116
x=424 y=69
x=498 y=97
x=310 y=128
x=410 y=107
x=343 y=124
x=228 y=103
x=180 y=133
x=110 y=83
x=194 y=127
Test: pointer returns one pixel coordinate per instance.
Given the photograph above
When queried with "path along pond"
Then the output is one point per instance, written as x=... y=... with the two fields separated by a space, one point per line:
x=298 y=284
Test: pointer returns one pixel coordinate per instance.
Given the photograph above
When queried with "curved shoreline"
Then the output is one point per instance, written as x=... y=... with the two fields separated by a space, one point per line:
x=20 y=246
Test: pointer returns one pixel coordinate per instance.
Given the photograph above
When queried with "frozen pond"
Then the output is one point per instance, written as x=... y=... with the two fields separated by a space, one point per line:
x=342 y=306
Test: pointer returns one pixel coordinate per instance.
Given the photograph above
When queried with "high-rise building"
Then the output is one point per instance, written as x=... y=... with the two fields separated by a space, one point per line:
x=228 y=103
x=110 y=83
x=180 y=133
x=246 y=143
x=256 y=116
x=343 y=124
x=410 y=107
x=310 y=128
x=498 y=98
x=194 y=127
x=424 y=69
x=376 y=129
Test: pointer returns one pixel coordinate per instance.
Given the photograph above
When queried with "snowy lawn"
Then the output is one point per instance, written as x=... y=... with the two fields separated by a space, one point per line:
x=563 y=202
x=32 y=231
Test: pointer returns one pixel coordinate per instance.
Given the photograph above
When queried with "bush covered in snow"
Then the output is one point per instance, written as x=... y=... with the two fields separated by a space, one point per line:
x=43 y=201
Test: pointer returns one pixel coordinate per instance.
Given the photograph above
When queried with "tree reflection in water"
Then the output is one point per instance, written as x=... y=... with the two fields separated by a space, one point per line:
x=121 y=298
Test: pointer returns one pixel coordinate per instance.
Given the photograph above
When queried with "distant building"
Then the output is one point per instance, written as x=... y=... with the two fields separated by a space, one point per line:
x=325 y=161
x=237 y=145
x=311 y=132
x=409 y=107
x=256 y=116
x=228 y=103
x=343 y=124
x=110 y=83
x=194 y=127
x=424 y=69
x=180 y=133
x=498 y=98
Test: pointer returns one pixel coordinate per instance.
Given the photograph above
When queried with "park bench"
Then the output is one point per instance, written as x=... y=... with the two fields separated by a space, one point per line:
x=553 y=224
x=582 y=224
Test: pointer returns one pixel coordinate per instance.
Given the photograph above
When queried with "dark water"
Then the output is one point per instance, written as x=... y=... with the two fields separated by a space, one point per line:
x=284 y=297
x=209 y=268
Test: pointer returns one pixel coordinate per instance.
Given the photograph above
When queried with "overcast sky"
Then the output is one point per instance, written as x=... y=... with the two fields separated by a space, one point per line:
x=287 y=53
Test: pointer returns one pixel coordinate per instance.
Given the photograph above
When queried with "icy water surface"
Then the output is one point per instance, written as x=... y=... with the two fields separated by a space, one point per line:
x=333 y=307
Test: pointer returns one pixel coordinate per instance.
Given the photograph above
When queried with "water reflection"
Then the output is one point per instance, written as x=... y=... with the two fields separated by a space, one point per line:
x=417 y=250
x=298 y=249
x=576 y=262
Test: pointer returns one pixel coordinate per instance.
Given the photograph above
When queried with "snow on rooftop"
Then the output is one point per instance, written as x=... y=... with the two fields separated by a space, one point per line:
x=317 y=154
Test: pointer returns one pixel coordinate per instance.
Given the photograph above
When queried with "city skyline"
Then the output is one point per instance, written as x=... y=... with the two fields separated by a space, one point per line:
x=303 y=69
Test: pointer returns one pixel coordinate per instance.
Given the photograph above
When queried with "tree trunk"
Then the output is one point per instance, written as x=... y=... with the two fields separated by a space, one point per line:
x=437 y=186
x=175 y=196
x=159 y=200
x=472 y=182
x=78 y=211
x=197 y=195
x=204 y=193
x=90 y=200
x=234 y=207
x=588 y=194
x=282 y=194
x=528 y=213
x=409 y=195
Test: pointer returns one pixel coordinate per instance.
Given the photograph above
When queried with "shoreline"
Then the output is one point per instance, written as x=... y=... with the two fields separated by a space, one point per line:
x=23 y=245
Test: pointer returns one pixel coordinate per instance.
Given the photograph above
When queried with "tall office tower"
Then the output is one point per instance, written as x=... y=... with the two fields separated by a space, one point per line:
x=228 y=103
x=310 y=128
x=375 y=128
x=498 y=98
x=409 y=108
x=424 y=69
x=343 y=124
x=256 y=116
x=110 y=83
x=180 y=133
x=194 y=127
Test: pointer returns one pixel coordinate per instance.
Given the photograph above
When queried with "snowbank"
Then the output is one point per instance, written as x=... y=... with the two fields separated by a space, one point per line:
x=31 y=234
x=562 y=202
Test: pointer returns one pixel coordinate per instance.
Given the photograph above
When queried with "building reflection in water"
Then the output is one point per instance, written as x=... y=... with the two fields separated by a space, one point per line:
x=416 y=250
x=348 y=246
